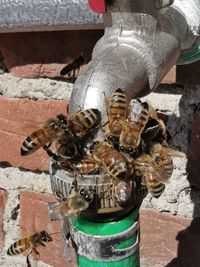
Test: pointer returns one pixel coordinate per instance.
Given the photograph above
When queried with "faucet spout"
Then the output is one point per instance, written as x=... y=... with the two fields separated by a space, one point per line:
x=137 y=50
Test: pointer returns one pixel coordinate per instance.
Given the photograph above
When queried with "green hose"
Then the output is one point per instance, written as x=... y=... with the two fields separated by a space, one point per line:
x=108 y=229
x=190 y=56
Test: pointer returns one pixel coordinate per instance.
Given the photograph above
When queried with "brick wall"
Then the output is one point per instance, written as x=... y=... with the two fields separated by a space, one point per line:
x=24 y=181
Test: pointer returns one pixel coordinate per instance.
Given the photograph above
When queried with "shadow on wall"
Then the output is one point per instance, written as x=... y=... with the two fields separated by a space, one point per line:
x=188 y=254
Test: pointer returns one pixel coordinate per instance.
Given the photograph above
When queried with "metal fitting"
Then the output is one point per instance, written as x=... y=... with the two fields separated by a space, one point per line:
x=163 y=3
x=141 y=43
x=137 y=50
x=43 y=15
x=104 y=248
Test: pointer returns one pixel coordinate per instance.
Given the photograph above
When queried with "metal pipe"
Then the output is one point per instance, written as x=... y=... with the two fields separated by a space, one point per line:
x=43 y=15
x=139 y=47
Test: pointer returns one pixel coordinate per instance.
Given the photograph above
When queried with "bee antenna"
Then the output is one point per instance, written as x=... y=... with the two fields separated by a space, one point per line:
x=82 y=58
x=55 y=233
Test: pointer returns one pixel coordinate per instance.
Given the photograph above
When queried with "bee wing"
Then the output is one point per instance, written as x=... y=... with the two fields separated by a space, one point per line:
x=157 y=171
x=30 y=126
x=63 y=208
x=172 y=152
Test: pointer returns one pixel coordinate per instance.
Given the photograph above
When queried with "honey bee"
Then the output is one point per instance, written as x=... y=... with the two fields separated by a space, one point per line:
x=50 y=131
x=151 y=130
x=138 y=115
x=72 y=70
x=76 y=202
x=155 y=130
x=154 y=186
x=68 y=147
x=117 y=112
x=162 y=156
x=122 y=190
x=88 y=166
x=62 y=128
x=116 y=164
x=29 y=244
x=150 y=173
x=84 y=120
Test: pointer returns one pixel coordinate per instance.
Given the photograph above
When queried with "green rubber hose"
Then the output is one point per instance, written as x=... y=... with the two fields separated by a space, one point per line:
x=106 y=229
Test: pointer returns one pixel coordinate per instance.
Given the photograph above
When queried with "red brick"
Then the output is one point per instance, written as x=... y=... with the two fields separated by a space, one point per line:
x=18 y=118
x=171 y=76
x=34 y=218
x=193 y=167
x=43 y=54
x=169 y=241
x=3 y=199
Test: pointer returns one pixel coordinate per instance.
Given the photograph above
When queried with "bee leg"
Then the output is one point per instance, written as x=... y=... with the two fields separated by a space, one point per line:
x=103 y=125
x=47 y=146
x=42 y=244
x=74 y=184
x=36 y=252
x=50 y=153
x=74 y=73
x=28 y=260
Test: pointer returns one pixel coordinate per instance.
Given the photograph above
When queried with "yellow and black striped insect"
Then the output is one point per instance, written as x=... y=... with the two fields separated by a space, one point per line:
x=116 y=107
x=150 y=173
x=138 y=115
x=29 y=244
x=116 y=164
x=82 y=121
x=47 y=133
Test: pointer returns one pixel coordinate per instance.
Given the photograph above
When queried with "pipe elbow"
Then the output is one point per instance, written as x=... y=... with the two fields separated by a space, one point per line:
x=134 y=54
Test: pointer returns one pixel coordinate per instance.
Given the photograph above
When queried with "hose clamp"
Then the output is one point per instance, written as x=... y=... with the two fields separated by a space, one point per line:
x=104 y=248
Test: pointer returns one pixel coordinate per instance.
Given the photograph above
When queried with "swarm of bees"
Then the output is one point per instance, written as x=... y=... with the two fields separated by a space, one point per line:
x=134 y=148
x=133 y=154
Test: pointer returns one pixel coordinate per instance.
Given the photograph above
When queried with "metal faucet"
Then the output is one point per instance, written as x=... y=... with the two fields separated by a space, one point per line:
x=142 y=41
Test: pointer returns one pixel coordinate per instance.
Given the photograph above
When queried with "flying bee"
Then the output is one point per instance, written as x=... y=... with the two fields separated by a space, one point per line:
x=116 y=164
x=138 y=115
x=72 y=70
x=29 y=244
x=88 y=166
x=50 y=131
x=122 y=190
x=162 y=156
x=116 y=111
x=83 y=121
x=150 y=173
x=77 y=201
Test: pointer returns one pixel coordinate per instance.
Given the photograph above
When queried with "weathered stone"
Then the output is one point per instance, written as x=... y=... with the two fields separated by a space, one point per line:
x=193 y=166
x=41 y=88
x=3 y=199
